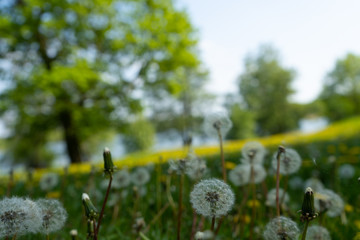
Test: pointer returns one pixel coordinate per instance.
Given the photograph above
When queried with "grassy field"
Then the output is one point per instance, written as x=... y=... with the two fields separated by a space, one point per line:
x=150 y=211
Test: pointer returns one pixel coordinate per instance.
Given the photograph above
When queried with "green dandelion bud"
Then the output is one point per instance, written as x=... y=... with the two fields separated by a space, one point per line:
x=108 y=163
x=90 y=210
x=308 y=210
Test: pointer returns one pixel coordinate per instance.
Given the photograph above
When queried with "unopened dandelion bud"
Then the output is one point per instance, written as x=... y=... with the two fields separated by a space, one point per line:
x=73 y=234
x=359 y=179
x=90 y=210
x=108 y=163
x=308 y=210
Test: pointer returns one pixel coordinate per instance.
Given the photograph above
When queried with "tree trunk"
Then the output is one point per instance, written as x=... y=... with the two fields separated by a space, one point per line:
x=71 y=138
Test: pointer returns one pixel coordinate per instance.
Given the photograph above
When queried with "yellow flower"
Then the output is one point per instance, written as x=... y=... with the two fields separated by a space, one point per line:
x=55 y=194
x=246 y=219
x=250 y=203
x=349 y=208
x=357 y=237
x=230 y=165
x=357 y=224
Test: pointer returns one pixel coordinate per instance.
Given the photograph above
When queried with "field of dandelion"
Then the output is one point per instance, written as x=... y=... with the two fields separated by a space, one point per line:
x=152 y=198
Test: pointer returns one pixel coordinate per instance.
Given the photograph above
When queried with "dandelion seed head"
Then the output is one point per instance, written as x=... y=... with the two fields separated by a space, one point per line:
x=18 y=216
x=290 y=162
x=121 y=179
x=253 y=153
x=215 y=122
x=259 y=173
x=140 y=176
x=327 y=200
x=53 y=215
x=85 y=196
x=281 y=228
x=317 y=233
x=212 y=198
x=346 y=171
x=178 y=166
x=196 y=167
x=240 y=175
x=49 y=181
x=207 y=234
x=315 y=184
x=73 y=232
x=271 y=197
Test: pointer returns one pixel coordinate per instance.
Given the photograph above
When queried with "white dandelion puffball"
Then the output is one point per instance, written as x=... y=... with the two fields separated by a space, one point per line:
x=290 y=162
x=317 y=233
x=329 y=201
x=240 y=175
x=271 y=197
x=140 y=176
x=121 y=179
x=204 y=235
x=215 y=122
x=212 y=198
x=49 y=181
x=53 y=215
x=177 y=166
x=315 y=184
x=18 y=217
x=281 y=228
x=346 y=171
x=195 y=166
x=253 y=153
x=259 y=173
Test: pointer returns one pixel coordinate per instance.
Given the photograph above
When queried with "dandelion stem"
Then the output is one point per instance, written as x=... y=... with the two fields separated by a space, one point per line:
x=280 y=151
x=218 y=226
x=193 y=227
x=253 y=188
x=212 y=223
x=181 y=182
x=47 y=237
x=14 y=237
x=103 y=208
x=305 y=230
x=222 y=155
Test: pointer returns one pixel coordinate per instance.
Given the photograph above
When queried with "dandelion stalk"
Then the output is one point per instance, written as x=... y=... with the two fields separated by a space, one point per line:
x=222 y=154
x=108 y=169
x=181 y=182
x=212 y=224
x=280 y=151
x=253 y=187
x=303 y=237
x=193 y=227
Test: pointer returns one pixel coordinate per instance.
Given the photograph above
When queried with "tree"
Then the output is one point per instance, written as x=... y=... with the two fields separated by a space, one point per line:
x=243 y=120
x=341 y=90
x=265 y=87
x=79 y=67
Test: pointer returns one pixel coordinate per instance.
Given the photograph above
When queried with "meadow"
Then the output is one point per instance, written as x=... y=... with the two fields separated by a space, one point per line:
x=150 y=195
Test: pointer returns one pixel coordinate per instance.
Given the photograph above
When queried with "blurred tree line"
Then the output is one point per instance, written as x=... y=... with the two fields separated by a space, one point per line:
x=81 y=70
x=264 y=107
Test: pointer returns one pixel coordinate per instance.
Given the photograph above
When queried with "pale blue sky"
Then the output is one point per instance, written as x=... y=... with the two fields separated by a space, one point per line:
x=310 y=35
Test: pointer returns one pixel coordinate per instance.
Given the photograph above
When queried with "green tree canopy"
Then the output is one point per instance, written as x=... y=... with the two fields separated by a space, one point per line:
x=81 y=67
x=341 y=90
x=265 y=87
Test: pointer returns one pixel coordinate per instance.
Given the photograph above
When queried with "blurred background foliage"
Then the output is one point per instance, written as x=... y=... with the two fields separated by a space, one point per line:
x=79 y=72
